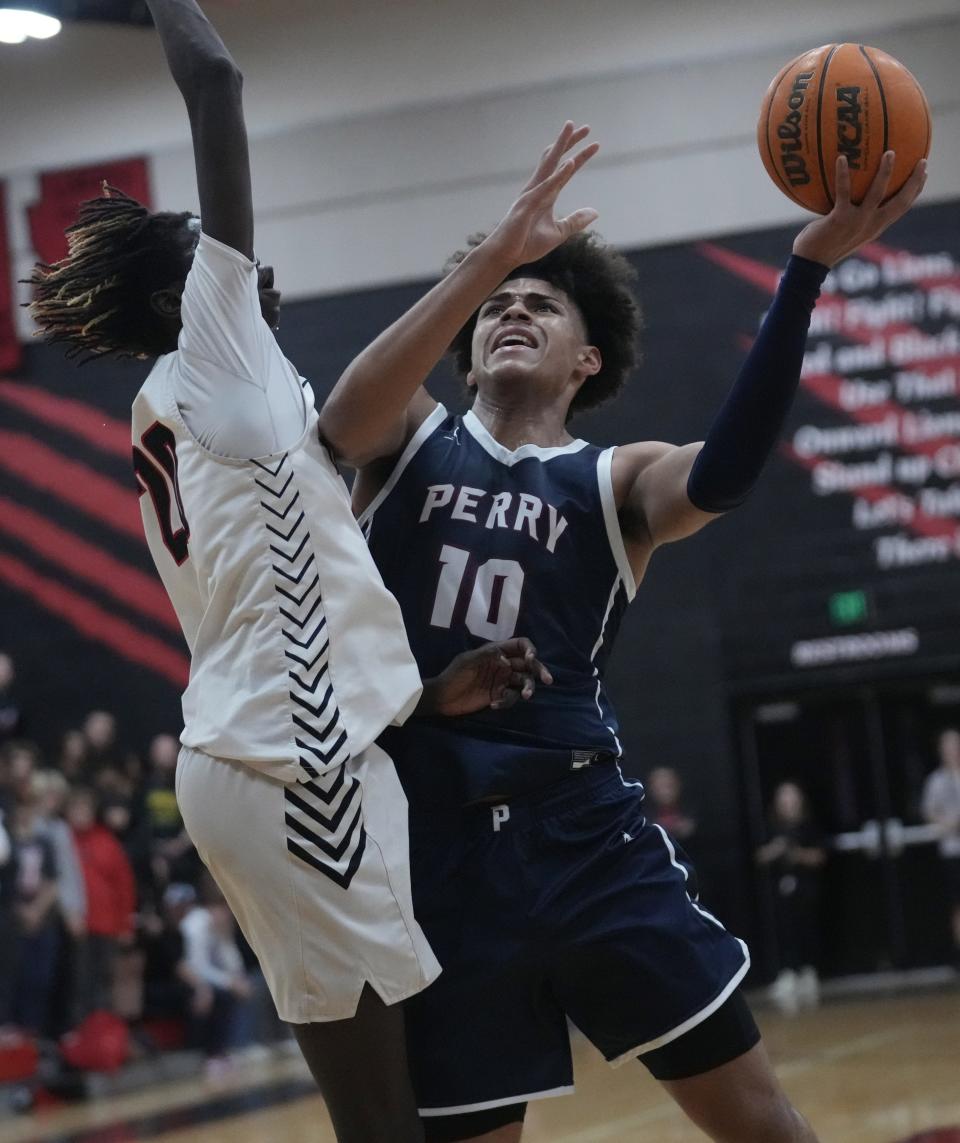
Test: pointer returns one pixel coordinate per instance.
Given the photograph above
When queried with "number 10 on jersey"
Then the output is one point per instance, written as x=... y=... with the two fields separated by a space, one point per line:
x=494 y=588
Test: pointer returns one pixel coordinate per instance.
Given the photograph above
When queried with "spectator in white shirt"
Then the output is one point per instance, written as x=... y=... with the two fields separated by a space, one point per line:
x=941 y=806
x=213 y=959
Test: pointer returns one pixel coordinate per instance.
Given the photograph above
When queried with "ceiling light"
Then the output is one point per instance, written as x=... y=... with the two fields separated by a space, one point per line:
x=17 y=25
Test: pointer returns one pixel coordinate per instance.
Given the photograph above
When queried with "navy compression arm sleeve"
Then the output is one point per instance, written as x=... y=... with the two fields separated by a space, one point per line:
x=745 y=430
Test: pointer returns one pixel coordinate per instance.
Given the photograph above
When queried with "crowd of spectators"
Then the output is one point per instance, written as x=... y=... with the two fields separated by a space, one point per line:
x=105 y=906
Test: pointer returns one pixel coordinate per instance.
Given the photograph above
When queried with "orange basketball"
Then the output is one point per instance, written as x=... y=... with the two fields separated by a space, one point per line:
x=841 y=99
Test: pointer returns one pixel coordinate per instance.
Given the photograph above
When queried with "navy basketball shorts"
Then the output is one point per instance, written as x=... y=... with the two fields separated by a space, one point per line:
x=561 y=905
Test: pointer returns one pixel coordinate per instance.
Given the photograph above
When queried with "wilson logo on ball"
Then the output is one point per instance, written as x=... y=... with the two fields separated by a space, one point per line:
x=790 y=134
x=841 y=99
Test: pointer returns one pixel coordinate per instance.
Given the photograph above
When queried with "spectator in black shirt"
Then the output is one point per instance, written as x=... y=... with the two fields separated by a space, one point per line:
x=173 y=856
x=795 y=855
x=169 y=988
x=72 y=757
x=19 y=759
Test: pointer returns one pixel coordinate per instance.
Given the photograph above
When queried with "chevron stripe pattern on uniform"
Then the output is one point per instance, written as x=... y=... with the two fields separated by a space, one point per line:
x=324 y=817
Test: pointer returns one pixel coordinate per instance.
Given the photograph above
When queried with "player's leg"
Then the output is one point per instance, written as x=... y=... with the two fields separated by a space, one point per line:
x=645 y=971
x=739 y=1100
x=488 y=1035
x=338 y=947
x=495 y=1125
x=360 y=1066
x=719 y=1074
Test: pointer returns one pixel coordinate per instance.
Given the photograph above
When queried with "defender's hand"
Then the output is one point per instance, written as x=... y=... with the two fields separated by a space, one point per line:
x=493 y=676
x=529 y=229
x=848 y=226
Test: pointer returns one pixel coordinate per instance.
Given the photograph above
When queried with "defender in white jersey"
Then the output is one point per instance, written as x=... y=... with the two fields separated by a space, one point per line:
x=283 y=611
x=298 y=654
x=261 y=557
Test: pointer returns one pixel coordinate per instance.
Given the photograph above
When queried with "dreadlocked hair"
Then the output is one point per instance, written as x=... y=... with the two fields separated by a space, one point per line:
x=599 y=280
x=97 y=299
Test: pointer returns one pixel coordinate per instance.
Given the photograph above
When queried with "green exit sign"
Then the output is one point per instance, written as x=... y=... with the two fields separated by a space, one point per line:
x=848 y=608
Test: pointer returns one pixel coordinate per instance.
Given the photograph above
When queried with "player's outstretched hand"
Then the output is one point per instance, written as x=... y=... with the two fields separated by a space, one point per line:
x=848 y=226
x=529 y=229
x=495 y=675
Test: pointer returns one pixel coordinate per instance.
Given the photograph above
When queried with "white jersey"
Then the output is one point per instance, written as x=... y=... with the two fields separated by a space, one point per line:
x=299 y=657
x=941 y=802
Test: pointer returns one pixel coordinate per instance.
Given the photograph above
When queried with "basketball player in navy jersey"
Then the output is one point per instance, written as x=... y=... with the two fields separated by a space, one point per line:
x=543 y=889
x=299 y=657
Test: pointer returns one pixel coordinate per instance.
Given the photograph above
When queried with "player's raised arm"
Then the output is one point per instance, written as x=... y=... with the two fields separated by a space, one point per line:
x=378 y=402
x=681 y=490
x=211 y=85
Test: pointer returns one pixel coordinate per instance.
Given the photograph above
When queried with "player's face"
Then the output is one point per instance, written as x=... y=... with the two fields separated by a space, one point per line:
x=530 y=332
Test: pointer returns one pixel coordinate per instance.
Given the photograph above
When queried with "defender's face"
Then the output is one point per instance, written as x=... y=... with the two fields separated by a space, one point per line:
x=528 y=330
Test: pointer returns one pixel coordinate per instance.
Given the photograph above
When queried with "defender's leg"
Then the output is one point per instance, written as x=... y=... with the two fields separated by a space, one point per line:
x=360 y=1066
x=322 y=931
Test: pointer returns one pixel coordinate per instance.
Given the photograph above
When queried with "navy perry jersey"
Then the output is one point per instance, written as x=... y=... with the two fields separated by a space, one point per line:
x=479 y=543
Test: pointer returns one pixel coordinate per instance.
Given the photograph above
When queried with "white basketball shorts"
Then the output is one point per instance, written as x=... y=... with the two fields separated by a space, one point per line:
x=318 y=876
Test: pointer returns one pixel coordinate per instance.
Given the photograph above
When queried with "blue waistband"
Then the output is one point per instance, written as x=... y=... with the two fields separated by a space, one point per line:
x=591 y=783
x=444 y=768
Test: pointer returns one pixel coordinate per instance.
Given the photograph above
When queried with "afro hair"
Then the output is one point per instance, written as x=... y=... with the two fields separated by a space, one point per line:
x=599 y=280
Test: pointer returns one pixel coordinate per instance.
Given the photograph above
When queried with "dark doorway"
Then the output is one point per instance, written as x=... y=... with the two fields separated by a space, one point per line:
x=861 y=754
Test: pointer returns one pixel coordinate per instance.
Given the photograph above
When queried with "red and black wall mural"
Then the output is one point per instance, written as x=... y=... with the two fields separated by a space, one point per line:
x=861 y=543
x=81 y=605
x=84 y=615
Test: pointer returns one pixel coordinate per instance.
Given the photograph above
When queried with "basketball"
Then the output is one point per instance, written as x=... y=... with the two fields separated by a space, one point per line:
x=841 y=99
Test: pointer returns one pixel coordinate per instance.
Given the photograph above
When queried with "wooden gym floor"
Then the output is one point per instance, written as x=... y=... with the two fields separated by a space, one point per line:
x=870 y=1070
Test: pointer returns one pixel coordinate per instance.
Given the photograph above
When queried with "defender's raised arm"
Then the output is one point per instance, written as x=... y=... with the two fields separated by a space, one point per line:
x=211 y=85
